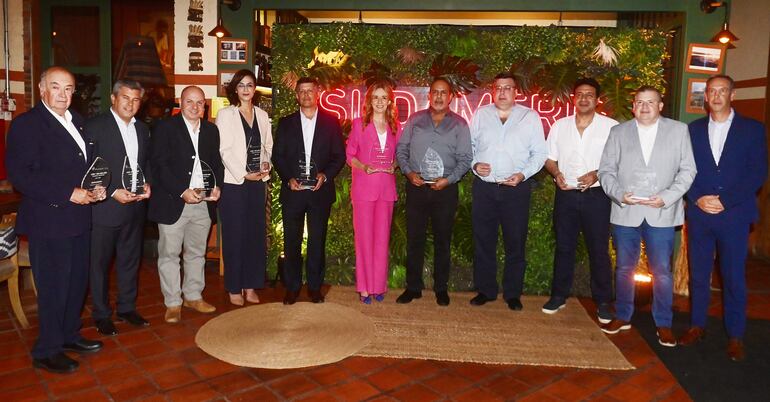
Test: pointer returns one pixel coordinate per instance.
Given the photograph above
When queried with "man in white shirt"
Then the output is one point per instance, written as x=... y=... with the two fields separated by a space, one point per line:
x=646 y=167
x=508 y=148
x=118 y=223
x=185 y=162
x=308 y=154
x=46 y=160
x=731 y=155
x=575 y=145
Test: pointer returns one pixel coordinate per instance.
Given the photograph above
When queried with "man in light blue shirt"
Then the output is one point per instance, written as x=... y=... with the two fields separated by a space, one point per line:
x=508 y=148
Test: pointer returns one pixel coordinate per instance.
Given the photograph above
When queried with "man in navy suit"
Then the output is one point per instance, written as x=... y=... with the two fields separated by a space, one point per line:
x=320 y=133
x=731 y=156
x=47 y=157
x=182 y=146
x=118 y=222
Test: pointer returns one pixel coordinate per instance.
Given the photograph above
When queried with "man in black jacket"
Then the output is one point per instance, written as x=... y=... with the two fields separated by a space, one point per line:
x=308 y=153
x=123 y=142
x=47 y=157
x=185 y=159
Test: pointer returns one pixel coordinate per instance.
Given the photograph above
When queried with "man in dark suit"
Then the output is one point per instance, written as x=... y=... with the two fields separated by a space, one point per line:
x=318 y=131
x=184 y=154
x=46 y=160
x=731 y=154
x=118 y=222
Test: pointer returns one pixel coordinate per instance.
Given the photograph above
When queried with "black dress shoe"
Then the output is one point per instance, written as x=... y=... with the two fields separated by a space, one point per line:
x=408 y=296
x=106 y=327
x=58 y=363
x=480 y=300
x=83 y=346
x=442 y=298
x=514 y=304
x=290 y=297
x=316 y=296
x=133 y=318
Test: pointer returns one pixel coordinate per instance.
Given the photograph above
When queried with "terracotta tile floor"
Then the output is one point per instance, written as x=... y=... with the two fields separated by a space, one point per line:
x=161 y=363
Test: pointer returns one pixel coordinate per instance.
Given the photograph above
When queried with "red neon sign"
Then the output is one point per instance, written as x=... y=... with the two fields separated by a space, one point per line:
x=347 y=104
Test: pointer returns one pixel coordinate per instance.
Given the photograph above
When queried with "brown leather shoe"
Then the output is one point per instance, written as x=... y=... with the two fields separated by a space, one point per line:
x=173 y=314
x=666 y=337
x=200 y=306
x=615 y=326
x=692 y=336
x=735 y=349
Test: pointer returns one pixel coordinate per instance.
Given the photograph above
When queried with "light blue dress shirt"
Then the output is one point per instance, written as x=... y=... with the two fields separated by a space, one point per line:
x=518 y=146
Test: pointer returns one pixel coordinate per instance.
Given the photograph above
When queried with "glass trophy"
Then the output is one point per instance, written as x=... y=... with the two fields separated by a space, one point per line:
x=209 y=181
x=308 y=173
x=431 y=166
x=574 y=167
x=97 y=176
x=132 y=184
x=380 y=159
x=643 y=184
x=254 y=157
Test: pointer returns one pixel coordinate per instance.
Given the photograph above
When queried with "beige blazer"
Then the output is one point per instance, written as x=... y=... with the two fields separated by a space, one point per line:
x=232 y=142
x=671 y=160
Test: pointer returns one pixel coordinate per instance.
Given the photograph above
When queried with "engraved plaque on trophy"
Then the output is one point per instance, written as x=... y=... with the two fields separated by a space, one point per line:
x=254 y=162
x=97 y=175
x=308 y=173
x=209 y=181
x=132 y=184
x=574 y=167
x=380 y=159
x=643 y=184
x=431 y=166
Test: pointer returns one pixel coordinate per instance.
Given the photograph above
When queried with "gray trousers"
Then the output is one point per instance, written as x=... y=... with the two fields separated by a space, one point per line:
x=191 y=232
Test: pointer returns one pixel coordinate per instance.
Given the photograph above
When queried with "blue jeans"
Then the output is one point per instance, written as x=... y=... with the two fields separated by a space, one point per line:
x=659 y=244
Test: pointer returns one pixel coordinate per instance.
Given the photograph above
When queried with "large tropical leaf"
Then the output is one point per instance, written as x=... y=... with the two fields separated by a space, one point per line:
x=525 y=73
x=378 y=73
x=459 y=72
x=332 y=69
x=617 y=95
x=556 y=81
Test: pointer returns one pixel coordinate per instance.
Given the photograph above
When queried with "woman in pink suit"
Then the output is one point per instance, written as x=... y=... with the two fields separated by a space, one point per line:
x=371 y=152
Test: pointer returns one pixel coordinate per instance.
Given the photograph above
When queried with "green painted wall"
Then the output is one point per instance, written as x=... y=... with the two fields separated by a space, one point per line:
x=699 y=27
x=104 y=70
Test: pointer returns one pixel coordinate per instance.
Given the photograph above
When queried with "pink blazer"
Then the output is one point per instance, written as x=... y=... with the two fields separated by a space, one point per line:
x=375 y=186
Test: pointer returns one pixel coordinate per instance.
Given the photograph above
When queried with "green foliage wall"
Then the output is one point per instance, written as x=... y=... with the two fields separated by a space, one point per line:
x=408 y=52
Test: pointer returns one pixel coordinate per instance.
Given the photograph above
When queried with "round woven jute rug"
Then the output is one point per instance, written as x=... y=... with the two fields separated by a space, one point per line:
x=276 y=336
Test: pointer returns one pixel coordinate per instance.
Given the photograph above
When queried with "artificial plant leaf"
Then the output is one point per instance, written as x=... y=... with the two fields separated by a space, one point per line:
x=460 y=72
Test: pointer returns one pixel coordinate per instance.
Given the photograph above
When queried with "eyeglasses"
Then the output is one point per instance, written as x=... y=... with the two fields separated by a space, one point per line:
x=506 y=88
x=649 y=103
x=718 y=91
x=246 y=86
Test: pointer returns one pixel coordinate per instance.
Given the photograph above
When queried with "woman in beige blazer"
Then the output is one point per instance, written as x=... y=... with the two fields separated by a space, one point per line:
x=245 y=145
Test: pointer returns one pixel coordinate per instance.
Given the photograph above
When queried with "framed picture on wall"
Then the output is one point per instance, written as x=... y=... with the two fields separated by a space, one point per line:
x=224 y=79
x=696 y=96
x=233 y=51
x=705 y=59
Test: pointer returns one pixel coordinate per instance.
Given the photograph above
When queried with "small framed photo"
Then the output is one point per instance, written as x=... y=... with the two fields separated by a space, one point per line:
x=705 y=59
x=696 y=96
x=225 y=76
x=233 y=50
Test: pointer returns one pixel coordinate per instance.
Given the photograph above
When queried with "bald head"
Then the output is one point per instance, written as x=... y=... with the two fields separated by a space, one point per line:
x=57 y=85
x=193 y=102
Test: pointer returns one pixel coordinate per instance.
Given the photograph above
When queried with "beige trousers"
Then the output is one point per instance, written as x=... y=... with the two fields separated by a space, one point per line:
x=188 y=236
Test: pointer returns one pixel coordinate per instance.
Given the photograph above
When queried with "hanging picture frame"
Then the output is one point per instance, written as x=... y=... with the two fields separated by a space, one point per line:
x=705 y=58
x=696 y=96
x=233 y=51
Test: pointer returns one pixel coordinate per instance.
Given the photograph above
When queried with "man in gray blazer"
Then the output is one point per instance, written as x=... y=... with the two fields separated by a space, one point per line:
x=646 y=168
